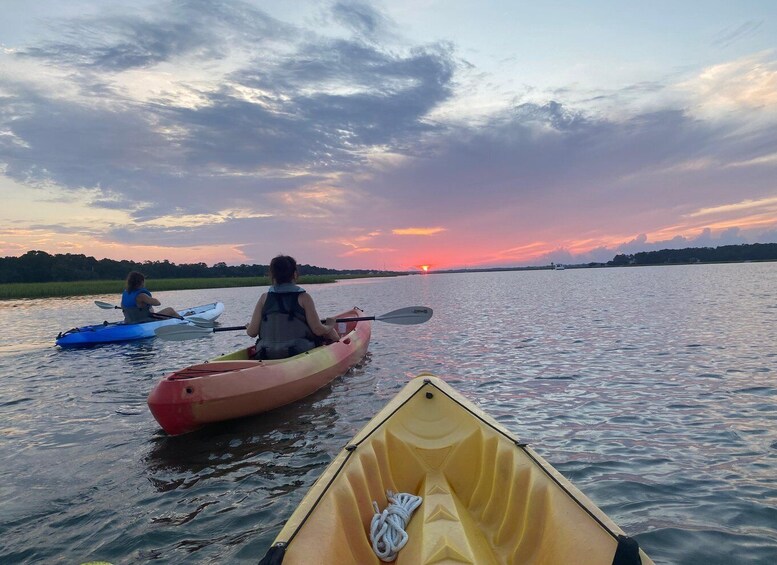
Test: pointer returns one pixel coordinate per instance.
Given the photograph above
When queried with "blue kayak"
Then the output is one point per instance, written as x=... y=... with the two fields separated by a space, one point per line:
x=119 y=331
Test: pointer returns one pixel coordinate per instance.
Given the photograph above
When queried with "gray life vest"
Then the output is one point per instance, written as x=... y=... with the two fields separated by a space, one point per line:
x=284 y=331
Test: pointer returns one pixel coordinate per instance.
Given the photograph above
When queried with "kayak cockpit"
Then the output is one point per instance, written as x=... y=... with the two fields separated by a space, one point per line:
x=209 y=369
x=486 y=497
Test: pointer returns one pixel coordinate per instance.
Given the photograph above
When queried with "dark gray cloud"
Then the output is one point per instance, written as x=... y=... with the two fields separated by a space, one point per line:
x=305 y=109
x=211 y=234
x=133 y=166
x=361 y=18
x=114 y=43
x=550 y=153
x=79 y=146
x=730 y=236
x=323 y=103
x=301 y=125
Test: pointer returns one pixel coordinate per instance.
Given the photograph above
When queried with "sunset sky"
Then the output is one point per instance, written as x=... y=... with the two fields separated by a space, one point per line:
x=387 y=134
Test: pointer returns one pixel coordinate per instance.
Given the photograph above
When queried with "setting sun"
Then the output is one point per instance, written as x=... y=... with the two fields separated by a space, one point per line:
x=425 y=268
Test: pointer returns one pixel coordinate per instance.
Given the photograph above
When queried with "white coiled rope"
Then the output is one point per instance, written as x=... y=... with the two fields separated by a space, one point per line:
x=387 y=529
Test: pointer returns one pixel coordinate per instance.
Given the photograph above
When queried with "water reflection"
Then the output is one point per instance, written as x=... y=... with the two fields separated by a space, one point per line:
x=262 y=444
x=242 y=469
x=652 y=389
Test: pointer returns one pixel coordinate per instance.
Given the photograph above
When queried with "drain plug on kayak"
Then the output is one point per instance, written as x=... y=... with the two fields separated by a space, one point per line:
x=429 y=395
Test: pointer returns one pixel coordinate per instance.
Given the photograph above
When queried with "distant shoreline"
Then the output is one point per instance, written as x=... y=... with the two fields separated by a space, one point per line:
x=15 y=291
x=589 y=266
x=64 y=289
x=46 y=274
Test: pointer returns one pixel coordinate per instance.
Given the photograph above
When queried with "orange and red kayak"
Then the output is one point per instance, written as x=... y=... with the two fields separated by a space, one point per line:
x=234 y=385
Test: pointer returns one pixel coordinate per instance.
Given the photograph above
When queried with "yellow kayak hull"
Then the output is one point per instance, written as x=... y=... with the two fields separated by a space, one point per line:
x=487 y=498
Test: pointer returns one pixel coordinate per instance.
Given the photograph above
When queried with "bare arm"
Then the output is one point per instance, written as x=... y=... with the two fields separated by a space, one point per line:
x=252 y=328
x=313 y=320
x=144 y=299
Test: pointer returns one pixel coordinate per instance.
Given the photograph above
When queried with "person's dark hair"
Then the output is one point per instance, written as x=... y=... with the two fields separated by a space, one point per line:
x=282 y=269
x=135 y=280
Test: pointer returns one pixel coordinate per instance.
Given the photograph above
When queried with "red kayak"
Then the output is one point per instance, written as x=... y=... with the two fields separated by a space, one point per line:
x=234 y=385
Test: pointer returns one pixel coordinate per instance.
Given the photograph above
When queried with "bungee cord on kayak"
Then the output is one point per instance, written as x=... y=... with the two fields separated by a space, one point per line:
x=487 y=497
x=387 y=529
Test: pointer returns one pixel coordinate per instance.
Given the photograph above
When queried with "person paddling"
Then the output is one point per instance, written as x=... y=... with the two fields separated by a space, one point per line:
x=285 y=318
x=137 y=302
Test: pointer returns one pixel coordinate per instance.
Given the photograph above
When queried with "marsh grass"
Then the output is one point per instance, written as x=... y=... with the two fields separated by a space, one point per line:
x=84 y=288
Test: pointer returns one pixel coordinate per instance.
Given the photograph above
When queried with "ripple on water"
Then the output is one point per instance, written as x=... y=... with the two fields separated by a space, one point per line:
x=644 y=386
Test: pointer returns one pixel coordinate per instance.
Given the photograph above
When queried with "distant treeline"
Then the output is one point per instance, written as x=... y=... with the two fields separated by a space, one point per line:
x=725 y=253
x=39 y=266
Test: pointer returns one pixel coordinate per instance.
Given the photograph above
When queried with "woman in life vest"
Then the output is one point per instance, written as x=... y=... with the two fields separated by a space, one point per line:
x=137 y=302
x=285 y=317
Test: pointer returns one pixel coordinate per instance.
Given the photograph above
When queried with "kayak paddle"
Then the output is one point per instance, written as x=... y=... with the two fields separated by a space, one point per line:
x=201 y=322
x=404 y=316
x=106 y=306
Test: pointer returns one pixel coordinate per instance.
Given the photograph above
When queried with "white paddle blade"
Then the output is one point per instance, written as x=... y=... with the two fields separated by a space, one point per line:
x=407 y=316
x=182 y=332
x=105 y=305
x=201 y=322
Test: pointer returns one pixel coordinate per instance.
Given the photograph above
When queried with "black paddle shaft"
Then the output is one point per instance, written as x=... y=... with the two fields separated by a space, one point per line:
x=236 y=328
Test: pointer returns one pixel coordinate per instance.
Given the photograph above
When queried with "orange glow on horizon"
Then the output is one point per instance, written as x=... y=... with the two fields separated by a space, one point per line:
x=418 y=231
x=425 y=268
x=11 y=244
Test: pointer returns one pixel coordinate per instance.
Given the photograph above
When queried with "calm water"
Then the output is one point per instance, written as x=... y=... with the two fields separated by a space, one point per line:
x=653 y=389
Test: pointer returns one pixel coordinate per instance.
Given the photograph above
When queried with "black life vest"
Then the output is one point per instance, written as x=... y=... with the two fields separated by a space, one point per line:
x=284 y=331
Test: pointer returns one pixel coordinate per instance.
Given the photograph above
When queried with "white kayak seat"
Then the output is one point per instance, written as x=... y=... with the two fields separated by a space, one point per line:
x=387 y=529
